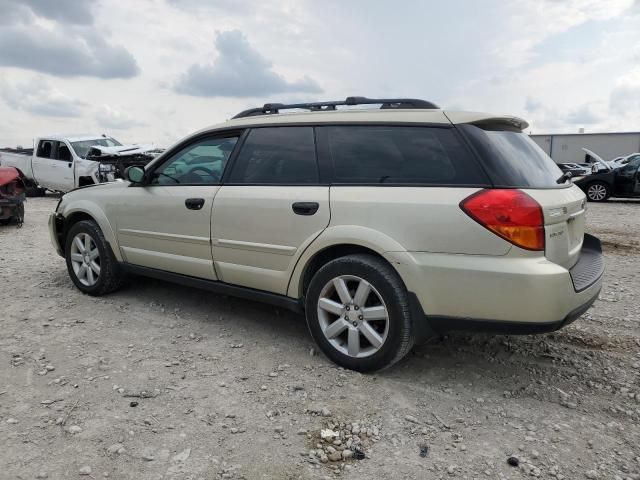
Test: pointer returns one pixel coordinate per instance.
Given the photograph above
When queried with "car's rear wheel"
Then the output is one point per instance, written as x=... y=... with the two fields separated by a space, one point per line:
x=90 y=261
x=358 y=312
x=598 y=191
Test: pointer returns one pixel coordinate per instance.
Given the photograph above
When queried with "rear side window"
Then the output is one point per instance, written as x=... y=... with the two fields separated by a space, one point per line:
x=399 y=154
x=512 y=159
x=277 y=156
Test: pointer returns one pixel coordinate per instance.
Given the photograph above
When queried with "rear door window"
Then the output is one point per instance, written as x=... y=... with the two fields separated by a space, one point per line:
x=277 y=156
x=399 y=155
x=512 y=158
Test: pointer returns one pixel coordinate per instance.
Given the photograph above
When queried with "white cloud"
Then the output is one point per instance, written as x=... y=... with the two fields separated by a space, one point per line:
x=625 y=97
x=110 y=117
x=528 y=23
x=64 y=11
x=551 y=62
x=239 y=71
x=38 y=97
x=583 y=115
x=43 y=36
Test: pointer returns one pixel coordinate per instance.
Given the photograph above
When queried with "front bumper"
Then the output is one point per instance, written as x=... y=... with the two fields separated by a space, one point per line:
x=507 y=294
x=53 y=234
x=9 y=206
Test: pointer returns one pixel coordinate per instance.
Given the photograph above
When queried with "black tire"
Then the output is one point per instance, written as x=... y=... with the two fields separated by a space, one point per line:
x=32 y=190
x=111 y=276
x=19 y=216
x=595 y=189
x=389 y=286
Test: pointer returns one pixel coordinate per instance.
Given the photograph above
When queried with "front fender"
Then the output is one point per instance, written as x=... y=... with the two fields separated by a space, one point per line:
x=95 y=212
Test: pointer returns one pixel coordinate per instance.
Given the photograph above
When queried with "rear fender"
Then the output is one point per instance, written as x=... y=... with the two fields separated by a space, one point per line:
x=340 y=235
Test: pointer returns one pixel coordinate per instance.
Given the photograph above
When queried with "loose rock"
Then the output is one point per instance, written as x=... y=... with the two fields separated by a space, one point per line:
x=86 y=470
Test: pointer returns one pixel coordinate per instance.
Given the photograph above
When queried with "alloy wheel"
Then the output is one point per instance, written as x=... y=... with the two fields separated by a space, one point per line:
x=353 y=316
x=597 y=192
x=85 y=259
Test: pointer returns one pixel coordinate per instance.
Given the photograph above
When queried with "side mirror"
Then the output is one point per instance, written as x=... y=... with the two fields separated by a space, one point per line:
x=135 y=174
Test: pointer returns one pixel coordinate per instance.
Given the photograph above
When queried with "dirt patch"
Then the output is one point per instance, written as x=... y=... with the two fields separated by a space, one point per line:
x=162 y=381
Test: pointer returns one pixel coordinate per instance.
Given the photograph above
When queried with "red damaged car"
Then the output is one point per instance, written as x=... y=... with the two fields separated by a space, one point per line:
x=12 y=195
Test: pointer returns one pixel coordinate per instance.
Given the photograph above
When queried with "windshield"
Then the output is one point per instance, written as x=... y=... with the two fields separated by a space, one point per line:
x=513 y=159
x=81 y=148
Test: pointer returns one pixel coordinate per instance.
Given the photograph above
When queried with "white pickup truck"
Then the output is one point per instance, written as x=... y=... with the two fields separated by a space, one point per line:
x=62 y=163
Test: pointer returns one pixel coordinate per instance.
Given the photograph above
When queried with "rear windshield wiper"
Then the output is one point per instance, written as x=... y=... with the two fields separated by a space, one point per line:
x=564 y=177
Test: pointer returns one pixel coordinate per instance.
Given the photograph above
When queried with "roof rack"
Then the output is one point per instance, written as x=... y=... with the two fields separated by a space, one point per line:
x=385 y=103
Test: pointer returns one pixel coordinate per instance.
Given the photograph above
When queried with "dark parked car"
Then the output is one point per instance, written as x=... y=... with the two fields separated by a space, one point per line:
x=620 y=182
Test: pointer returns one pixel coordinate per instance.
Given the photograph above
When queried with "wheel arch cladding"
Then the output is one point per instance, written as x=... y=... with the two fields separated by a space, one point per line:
x=85 y=212
x=326 y=255
x=339 y=241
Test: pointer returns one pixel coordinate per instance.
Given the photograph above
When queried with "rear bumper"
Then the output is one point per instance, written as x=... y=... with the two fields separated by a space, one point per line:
x=441 y=324
x=505 y=294
x=590 y=265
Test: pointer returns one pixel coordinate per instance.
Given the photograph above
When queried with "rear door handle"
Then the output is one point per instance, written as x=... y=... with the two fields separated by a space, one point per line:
x=305 y=208
x=194 y=203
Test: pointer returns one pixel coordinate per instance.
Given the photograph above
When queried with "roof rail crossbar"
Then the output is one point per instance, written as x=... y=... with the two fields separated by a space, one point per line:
x=385 y=103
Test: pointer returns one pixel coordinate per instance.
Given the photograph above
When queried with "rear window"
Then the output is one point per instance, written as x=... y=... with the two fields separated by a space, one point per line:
x=512 y=159
x=399 y=154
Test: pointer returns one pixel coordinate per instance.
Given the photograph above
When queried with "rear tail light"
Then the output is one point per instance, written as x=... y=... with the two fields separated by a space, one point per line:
x=510 y=214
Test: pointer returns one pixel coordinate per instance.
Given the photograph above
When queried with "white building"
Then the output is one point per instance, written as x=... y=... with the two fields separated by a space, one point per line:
x=567 y=147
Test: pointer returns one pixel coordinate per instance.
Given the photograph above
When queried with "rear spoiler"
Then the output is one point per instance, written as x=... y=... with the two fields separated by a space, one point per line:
x=484 y=119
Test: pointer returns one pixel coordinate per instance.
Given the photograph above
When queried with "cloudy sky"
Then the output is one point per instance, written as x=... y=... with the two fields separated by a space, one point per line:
x=155 y=70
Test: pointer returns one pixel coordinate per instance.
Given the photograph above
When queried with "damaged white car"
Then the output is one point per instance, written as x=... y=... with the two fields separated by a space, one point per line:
x=62 y=163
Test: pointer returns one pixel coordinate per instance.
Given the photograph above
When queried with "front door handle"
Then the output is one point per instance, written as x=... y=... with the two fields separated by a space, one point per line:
x=305 y=208
x=194 y=203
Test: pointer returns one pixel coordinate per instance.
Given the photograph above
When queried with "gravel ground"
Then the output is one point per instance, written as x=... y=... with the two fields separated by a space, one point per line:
x=160 y=381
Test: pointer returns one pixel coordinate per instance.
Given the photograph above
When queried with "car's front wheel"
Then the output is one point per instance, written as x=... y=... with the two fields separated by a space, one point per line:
x=598 y=192
x=90 y=261
x=358 y=313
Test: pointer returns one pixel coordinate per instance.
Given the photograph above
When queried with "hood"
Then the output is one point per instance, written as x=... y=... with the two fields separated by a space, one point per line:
x=98 y=151
x=597 y=158
x=8 y=175
x=119 y=183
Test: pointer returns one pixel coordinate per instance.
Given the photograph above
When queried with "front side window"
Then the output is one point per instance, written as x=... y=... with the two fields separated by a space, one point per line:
x=45 y=149
x=201 y=163
x=63 y=153
x=631 y=166
x=277 y=155
x=399 y=154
